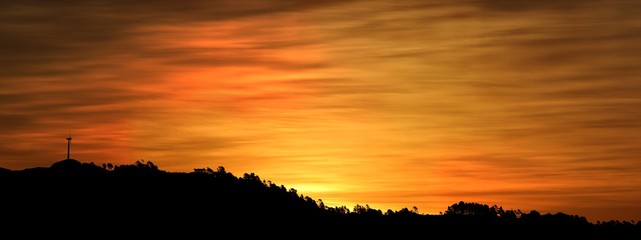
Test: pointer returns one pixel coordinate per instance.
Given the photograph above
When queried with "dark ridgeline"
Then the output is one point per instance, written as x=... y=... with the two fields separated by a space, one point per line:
x=74 y=197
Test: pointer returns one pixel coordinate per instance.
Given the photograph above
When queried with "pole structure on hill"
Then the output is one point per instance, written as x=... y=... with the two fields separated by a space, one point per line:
x=68 y=145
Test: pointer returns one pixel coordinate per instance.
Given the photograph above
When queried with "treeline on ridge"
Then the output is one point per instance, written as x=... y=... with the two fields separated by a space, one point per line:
x=141 y=193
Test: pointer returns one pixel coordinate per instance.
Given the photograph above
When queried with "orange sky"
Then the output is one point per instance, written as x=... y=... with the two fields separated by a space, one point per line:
x=523 y=104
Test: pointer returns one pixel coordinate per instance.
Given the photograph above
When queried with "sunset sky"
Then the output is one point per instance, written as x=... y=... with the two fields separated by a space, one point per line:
x=523 y=104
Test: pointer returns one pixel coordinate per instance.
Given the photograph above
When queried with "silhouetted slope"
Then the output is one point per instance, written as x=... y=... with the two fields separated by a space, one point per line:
x=140 y=197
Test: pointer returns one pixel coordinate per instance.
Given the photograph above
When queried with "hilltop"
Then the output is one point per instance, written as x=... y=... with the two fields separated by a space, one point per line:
x=141 y=197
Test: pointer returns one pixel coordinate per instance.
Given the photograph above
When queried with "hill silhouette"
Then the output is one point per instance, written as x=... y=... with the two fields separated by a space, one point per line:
x=71 y=197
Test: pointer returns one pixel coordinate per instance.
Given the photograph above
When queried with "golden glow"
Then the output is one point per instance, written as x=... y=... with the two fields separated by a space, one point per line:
x=389 y=103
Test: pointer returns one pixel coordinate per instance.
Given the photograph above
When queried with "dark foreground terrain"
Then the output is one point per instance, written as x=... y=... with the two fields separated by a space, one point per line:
x=139 y=200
